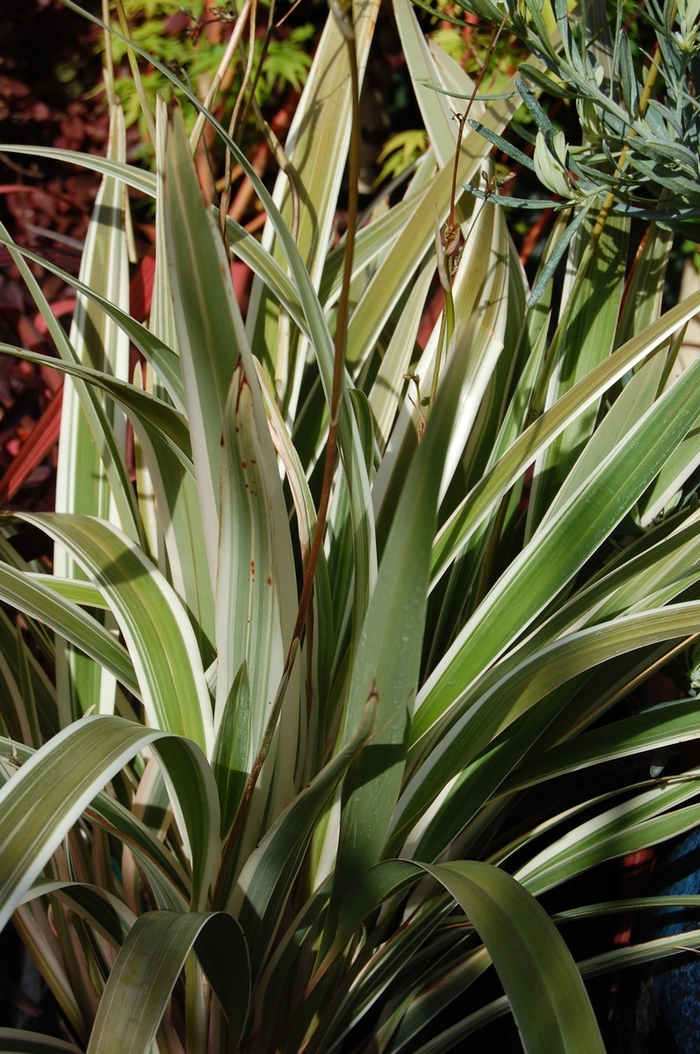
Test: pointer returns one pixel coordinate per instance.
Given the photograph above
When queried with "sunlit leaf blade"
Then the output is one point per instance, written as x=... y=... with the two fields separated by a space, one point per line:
x=148 y=412
x=434 y=107
x=67 y=619
x=651 y=817
x=481 y=752
x=475 y=506
x=663 y=725
x=138 y=178
x=154 y=350
x=158 y=634
x=93 y=428
x=209 y=340
x=418 y=233
x=256 y=586
x=317 y=146
x=561 y=547
x=150 y=961
x=544 y=988
x=584 y=339
x=81 y=760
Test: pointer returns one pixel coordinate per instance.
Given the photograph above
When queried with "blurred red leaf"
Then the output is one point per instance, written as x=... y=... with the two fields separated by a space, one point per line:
x=41 y=439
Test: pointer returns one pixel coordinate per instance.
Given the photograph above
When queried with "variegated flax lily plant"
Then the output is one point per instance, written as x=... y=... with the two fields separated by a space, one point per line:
x=289 y=731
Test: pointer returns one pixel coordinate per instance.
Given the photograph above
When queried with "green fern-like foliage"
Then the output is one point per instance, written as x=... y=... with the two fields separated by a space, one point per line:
x=178 y=36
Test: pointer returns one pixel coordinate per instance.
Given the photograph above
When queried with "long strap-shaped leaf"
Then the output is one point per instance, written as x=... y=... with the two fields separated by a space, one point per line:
x=388 y=656
x=519 y=690
x=460 y=526
x=267 y=878
x=148 y=965
x=211 y=337
x=18 y=1041
x=256 y=594
x=80 y=760
x=170 y=884
x=70 y=621
x=321 y=342
x=158 y=634
x=162 y=358
x=245 y=245
x=562 y=546
x=146 y=410
x=208 y=323
x=544 y=988
x=541 y=980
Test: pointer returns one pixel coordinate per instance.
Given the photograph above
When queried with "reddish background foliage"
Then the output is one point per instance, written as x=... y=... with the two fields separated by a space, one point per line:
x=48 y=73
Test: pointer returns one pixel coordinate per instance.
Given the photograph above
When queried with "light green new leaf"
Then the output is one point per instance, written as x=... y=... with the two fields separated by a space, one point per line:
x=543 y=986
x=395 y=273
x=147 y=967
x=390 y=382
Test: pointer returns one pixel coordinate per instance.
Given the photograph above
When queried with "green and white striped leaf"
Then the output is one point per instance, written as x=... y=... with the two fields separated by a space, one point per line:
x=208 y=322
x=472 y=510
x=82 y=482
x=162 y=358
x=156 y=629
x=625 y=828
x=387 y=661
x=66 y=618
x=150 y=962
x=256 y=596
x=81 y=760
x=264 y=884
x=560 y=549
x=492 y=710
x=546 y=995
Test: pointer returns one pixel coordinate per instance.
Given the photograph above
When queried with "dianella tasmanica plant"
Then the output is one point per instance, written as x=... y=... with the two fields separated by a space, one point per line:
x=269 y=727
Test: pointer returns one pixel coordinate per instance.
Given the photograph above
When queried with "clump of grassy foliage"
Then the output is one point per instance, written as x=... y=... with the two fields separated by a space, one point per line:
x=266 y=771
